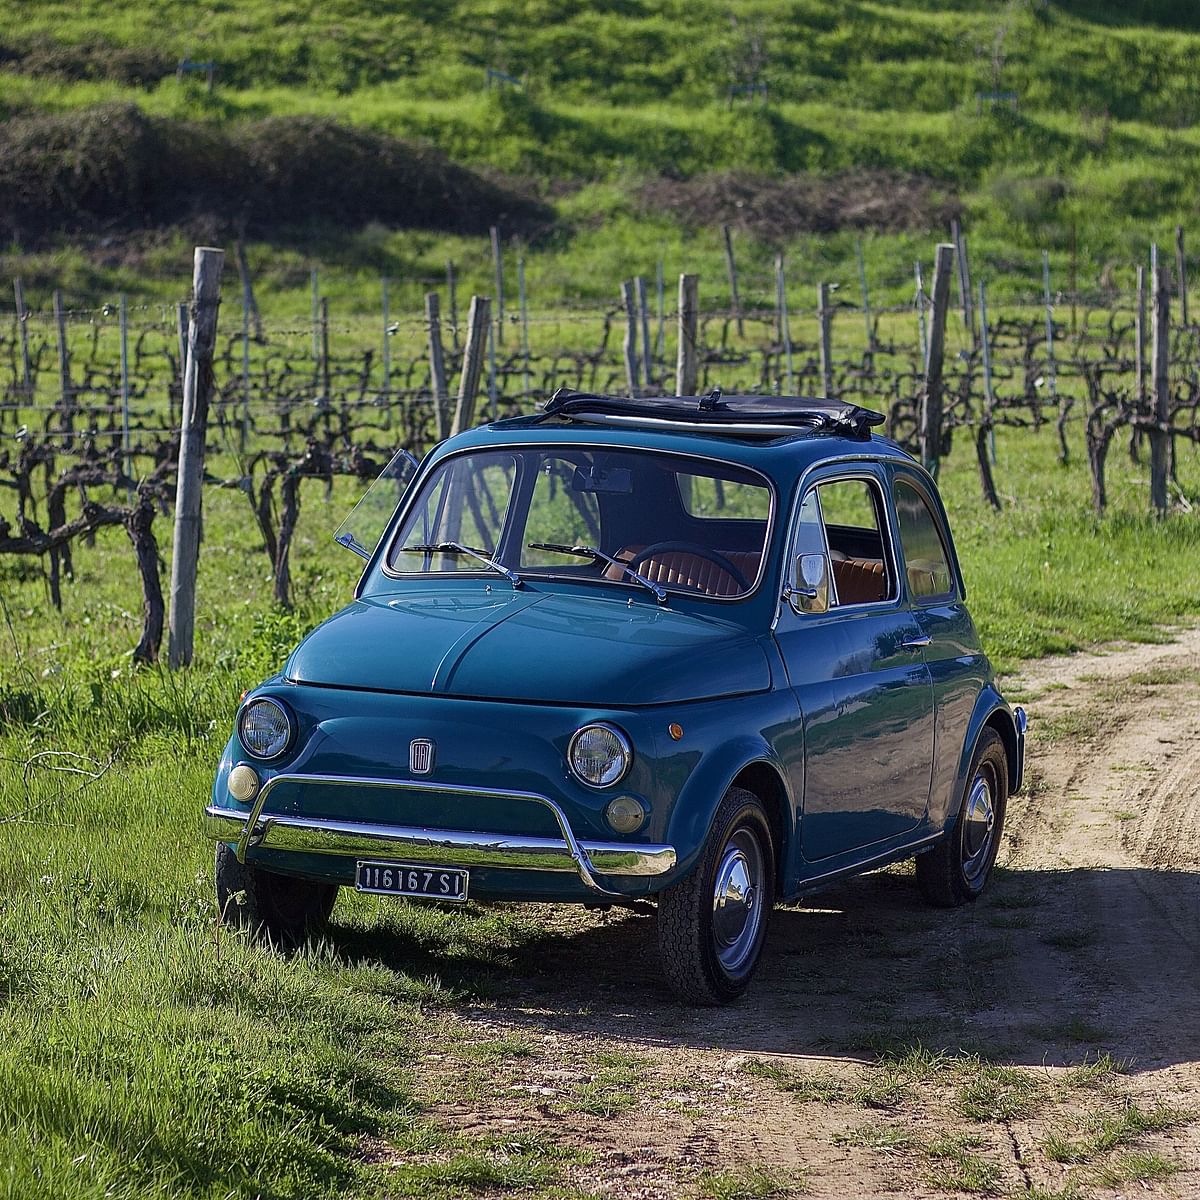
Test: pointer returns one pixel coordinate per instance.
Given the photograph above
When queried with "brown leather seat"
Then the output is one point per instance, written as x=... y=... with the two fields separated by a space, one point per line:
x=691 y=570
x=859 y=580
x=927 y=577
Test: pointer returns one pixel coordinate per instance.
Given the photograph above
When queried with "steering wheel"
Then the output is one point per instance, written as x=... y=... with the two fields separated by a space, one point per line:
x=713 y=556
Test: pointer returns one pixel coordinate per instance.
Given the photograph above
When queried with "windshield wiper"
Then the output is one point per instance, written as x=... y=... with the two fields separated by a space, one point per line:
x=660 y=592
x=459 y=548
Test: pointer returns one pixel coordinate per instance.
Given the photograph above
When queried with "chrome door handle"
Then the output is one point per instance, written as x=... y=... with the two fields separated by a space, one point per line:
x=917 y=643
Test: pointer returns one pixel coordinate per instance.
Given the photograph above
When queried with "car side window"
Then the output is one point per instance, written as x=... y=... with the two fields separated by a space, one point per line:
x=925 y=561
x=851 y=511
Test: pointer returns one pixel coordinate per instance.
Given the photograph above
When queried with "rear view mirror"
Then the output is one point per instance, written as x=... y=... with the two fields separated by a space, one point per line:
x=810 y=591
x=615 y=481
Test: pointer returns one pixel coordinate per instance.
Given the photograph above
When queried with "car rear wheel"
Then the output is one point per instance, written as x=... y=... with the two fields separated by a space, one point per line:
x=280 y=908
x=957 y=869
x=711 y=925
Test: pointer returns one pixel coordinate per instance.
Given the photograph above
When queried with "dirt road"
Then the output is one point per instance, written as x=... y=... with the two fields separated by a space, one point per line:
x=1044 y=1041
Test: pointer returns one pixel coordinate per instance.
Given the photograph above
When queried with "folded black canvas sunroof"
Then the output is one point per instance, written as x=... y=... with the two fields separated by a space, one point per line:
x=770 y=416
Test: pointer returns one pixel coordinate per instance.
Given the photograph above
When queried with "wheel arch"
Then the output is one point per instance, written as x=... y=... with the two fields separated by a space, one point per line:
x=991 y=712
x=1002 y=721
x=749 y=763
x=763 y=780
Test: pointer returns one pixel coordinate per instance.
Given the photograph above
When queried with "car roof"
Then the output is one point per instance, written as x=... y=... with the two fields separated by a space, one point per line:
x=782 y=436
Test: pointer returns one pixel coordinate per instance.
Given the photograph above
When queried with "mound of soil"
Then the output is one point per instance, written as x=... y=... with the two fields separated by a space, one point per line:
x=882 y=201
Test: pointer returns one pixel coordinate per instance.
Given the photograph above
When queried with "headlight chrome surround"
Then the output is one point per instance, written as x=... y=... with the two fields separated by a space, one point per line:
x=619 y=757
x=278 y=739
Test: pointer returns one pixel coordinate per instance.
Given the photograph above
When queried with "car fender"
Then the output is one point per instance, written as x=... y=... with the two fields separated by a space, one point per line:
x=696 y=804
x=990 y=709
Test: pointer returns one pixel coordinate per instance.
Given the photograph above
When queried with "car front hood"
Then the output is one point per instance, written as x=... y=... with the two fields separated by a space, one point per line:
x=529 y=646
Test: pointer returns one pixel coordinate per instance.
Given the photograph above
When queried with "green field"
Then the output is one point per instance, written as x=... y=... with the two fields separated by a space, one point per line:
x=145 y=1053
x=1099 y=157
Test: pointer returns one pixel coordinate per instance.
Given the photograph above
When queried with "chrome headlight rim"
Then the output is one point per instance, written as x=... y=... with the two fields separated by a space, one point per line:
x=626 y=752
x=288 y=718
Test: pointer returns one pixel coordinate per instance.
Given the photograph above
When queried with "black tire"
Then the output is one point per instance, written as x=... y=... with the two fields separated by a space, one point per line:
x=702 y=963
x=957 y=869
x=278 y=908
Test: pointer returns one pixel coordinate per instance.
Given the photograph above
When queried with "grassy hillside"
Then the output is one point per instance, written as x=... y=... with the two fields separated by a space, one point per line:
x=1099 y=154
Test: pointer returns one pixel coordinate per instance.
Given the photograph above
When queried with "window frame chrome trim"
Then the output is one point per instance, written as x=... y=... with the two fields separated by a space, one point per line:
x=837 y=475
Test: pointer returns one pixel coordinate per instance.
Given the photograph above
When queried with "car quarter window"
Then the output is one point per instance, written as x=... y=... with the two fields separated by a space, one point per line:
x=925 y=561
x=851 y=511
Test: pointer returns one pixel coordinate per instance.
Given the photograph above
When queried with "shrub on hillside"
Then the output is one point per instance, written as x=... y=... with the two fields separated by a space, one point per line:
x=90 y=59
x=114 y=167
x=886 y=201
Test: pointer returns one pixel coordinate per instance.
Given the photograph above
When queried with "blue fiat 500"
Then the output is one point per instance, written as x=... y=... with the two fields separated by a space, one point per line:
x=714 y=652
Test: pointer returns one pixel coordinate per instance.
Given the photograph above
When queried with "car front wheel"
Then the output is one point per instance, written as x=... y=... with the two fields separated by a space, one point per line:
x=281 y=908
x=957 y=869
x=711 y=925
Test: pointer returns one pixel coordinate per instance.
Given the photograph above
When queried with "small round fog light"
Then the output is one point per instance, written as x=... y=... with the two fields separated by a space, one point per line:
x=625 y=814
x=243 y=783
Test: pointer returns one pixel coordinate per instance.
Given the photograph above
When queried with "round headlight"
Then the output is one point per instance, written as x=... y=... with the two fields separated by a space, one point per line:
x=599 y=755
x=265 y=728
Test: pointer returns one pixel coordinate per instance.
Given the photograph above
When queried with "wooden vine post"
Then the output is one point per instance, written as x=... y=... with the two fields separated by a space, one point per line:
x=23 y=338
x=686 y=365
x=1159 y=385
x=931 y=393
x=731 y=266
x=825 y=322
x=197 y=387
x=629 y=346
x=66 y=401
x=478 y=320
x=437 y=366
x=643 y=308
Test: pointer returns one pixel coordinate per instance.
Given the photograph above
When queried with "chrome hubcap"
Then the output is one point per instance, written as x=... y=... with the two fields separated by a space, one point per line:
x=979 y=829
x=737 y=900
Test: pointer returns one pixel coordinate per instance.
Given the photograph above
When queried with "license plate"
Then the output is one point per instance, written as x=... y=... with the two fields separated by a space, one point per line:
x=411 y=879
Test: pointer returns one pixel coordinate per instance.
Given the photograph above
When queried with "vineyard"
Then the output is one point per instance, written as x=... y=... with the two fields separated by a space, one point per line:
x=90 y=405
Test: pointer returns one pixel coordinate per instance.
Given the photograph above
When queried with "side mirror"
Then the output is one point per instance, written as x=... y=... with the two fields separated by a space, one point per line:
x=810 y=592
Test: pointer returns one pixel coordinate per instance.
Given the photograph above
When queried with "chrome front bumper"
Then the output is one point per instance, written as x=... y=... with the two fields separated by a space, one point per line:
x=443 y=847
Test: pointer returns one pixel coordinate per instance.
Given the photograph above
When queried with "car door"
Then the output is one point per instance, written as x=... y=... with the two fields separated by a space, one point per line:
x=858 y=673
x=934 y=586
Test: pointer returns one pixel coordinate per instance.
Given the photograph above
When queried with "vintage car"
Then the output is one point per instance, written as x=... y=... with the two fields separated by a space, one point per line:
x=709 y=652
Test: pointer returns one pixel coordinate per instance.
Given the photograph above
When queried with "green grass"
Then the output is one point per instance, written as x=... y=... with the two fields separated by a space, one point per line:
x=956 y=1167
x=141 y=1053
x=1105 y=1130
x=1100 y=158
x=750 y=1183
x=1138 y=1166
x=884 y=1139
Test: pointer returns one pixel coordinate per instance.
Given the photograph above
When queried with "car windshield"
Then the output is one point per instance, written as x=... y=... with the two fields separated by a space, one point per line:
x=643 y=519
